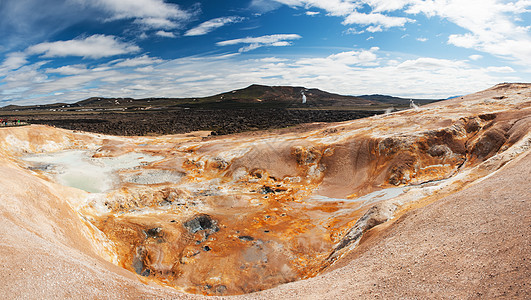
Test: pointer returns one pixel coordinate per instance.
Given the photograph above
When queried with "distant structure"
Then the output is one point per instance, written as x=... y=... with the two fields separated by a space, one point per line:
x=303 y=97
x=412 y=104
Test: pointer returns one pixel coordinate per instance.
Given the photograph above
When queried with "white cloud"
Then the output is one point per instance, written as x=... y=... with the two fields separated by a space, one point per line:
x=505 y=69
x=354 y=31
x=312 y=13
x=374 y=28
x=376 y=19
x=138 y=61
x=491 y=24
x=348 y=9
x=475 y=57
x=147 y=69
x=96 y=46
x=347 y=58
x=166 y=34
x=272 y=60
x=333 y=7
x=151 y=13
x=213 y=24
x=422 y=39
x=13 y=61
x=387 y=5
x=263 y=6
x=69 y=70
x=275 y=40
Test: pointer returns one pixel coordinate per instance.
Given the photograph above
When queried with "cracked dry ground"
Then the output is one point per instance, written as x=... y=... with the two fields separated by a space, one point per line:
x=249 y=212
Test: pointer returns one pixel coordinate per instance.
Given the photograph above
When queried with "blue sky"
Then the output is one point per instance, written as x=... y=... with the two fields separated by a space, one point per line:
x=70 y=50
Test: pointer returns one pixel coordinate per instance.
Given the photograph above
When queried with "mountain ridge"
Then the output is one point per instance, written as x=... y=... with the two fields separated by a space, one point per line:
x=252 y=95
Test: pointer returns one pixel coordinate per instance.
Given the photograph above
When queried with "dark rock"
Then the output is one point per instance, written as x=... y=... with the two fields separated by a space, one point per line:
x=246 y=238
x=489 y=143
x=267 y=190
x=201 y=222
x=439 y=150
x=221 y=289
x=139 y=262
x=487 y=117
x=153 y=232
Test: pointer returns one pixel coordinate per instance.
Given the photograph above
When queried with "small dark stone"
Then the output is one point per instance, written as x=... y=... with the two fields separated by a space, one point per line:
x=266 y=231
x=246 y=238
x=221 y=289
x=153 y=232
x=146 y=273
x=201 y=222
x=267 y=190
x=487 y=117
x=206 y=248
x=173 y=221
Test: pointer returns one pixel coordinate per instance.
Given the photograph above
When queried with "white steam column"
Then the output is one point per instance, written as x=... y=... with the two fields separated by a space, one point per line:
x=412 y=104
x=303 y=97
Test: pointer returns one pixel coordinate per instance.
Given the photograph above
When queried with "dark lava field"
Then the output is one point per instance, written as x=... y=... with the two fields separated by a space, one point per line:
x=220 y=122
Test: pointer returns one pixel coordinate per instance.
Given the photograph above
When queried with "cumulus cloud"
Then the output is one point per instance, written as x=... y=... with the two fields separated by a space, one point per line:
x=213 y=24
x=374 y=28
x=348 y=9
x=492 y=25
x=386 y=5
x=166 y=34
x=150 y=13
x=275 y=40
x=95 y=46
x=345 y=59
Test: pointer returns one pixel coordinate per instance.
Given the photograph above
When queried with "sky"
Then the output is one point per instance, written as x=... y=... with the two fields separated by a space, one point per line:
x=69 y=50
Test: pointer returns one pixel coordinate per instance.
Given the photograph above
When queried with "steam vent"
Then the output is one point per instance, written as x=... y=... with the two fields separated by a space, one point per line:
x=426 y=202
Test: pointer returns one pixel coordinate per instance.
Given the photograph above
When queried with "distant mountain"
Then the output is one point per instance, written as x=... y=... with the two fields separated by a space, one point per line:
x=289 y=95
x=256 y=96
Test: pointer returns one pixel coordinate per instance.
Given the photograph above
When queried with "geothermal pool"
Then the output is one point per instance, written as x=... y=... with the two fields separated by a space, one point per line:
x=78 y=169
